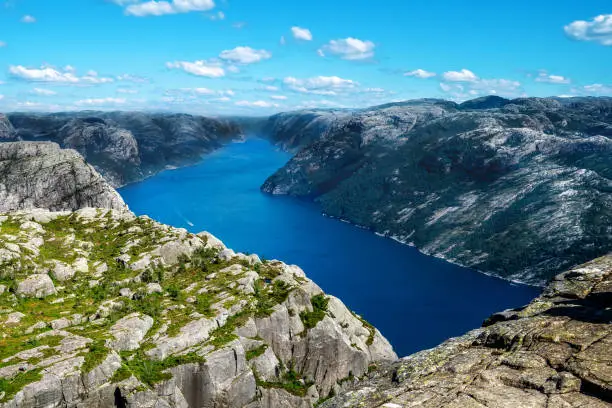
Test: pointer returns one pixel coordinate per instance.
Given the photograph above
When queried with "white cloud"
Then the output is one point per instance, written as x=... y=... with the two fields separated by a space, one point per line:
x=258 y=104
x=282 y=40
x=201 y=91
x=43 y=92
x=222 y=99
x=598 y=89
x=93 y=78
x=50 y=74
x=160 y=8
x=43 y=74
x=2 y=44
x=244 y=55
x=320 y=85
x=300 y=33
x=127 y=91
x=198 y=68
x=320 y=53
x=217 y=16
x=544 y=76
x=132 y=78
x=278 y=97
x=28 y=19
x=374 y=90
x=239 y=25
x=465 y=75
x=270 y=88
x=420 y=73
x=598 y=30
x=481 y=86
x=349 y=49
x=1 y=97
x=100 y=101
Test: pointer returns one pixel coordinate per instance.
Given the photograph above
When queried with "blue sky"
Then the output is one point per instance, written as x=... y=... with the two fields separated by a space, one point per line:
x=257 y=57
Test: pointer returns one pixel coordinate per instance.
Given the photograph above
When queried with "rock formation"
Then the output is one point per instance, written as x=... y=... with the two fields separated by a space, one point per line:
x=518 y=188
x=555 y=352
x=124 y=146
x=41 y=175
x=100 y=308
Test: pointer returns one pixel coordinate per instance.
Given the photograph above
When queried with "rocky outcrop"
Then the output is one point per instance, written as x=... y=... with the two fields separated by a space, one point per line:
x=517 y=188
x=125 y=146
x=555 y=352
x=41 y=175
x=7 y=132
x=153 y=316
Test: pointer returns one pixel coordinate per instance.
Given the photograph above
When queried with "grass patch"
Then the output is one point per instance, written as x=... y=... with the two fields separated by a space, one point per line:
x=268 y=296
x=151 y=372
x=319 y=308
x=291 y=382
x=16 y=384
x=256 y=352
x=368 y=326
x=225 y=334
x=95 y=356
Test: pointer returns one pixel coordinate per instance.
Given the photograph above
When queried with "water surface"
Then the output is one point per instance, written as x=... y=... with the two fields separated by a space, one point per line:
x=416 y=301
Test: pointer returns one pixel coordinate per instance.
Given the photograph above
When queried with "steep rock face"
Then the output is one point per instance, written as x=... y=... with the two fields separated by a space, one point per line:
x=519 y=188
x=7 y=132
x=153 y=316
x=555 y=352
x=41 y=175
x=128 y=146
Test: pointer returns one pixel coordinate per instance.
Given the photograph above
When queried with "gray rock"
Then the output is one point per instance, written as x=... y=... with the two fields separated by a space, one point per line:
x=37 y=285
x=41 y=175
x=154 y=288
x=14 y=318
x=62 y=272
x=555 y=352
x=129 y=331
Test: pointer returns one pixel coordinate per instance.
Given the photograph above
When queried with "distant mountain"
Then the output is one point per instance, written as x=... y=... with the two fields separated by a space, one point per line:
x=518 y=188
x=124 y=146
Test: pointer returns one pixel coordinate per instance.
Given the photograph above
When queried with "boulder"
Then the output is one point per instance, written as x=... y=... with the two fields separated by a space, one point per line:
x=36 y=285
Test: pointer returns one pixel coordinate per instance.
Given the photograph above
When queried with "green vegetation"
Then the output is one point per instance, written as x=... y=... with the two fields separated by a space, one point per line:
x=368 y=326
x=256 y=352
x=95 y=356
x=268 y=296
x=104 y=240
x=291 y=382
x=16 y=384
x=151 y=372
x=225 y=334
x=319 y=306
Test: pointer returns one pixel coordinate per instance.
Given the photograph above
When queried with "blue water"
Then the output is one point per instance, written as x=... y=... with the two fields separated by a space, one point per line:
x=416 y=301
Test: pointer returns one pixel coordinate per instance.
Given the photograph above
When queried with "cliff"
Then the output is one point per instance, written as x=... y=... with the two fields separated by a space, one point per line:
x=555 y=352
x=517 y=188
x=102 y=308
x=40 y=174
x=125 y=146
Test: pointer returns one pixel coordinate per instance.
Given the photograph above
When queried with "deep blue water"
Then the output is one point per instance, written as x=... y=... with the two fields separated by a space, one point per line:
x=416 y=301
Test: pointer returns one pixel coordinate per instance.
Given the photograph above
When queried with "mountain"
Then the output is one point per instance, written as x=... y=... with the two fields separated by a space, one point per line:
x=101 y=308
x=555 y=352
x=41 y=175
x=517 y=188
x=124 y=146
